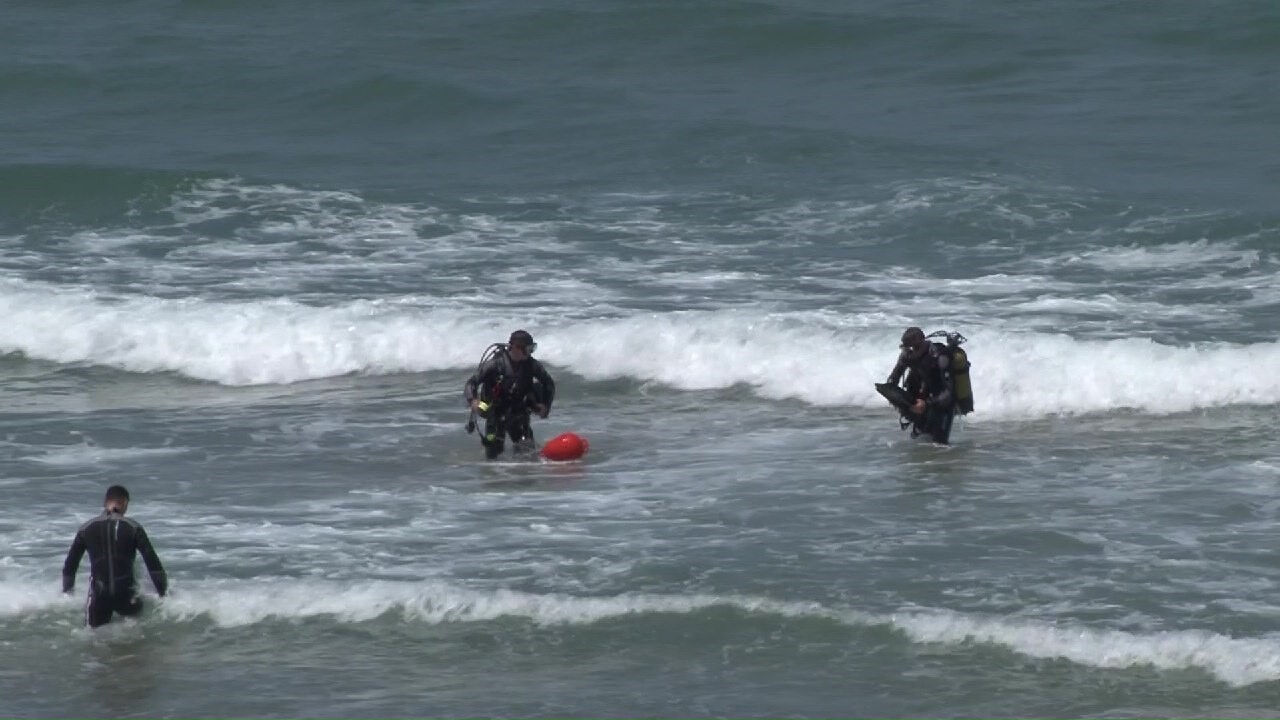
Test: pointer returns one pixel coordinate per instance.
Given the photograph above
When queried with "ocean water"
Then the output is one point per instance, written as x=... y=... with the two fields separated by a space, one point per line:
x=249 y=252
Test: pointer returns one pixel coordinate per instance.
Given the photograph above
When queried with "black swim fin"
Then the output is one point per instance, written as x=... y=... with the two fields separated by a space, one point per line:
x=897 y=397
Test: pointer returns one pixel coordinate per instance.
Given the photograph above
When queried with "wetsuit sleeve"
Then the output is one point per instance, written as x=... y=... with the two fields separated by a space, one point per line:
x=548 y=385
x=158 y=576
x=72 y=563
x=898 y=369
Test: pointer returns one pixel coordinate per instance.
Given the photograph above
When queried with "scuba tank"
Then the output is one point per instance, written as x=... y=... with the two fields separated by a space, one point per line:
x=959 y=370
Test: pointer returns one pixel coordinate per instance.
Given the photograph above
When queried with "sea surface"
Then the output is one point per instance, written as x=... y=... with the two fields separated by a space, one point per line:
x=249 y=252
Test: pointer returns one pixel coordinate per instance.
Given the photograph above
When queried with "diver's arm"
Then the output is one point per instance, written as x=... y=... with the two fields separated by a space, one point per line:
x=898 y=369
x=72 y=563
x=158 y=576
x=482 y=375
x=548 y=387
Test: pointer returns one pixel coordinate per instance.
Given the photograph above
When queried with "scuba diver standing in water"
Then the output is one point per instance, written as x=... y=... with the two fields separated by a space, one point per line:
x=506 y=388
x=937 y=383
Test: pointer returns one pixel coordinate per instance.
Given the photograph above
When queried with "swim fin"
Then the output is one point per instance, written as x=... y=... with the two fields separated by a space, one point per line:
x=898 y=398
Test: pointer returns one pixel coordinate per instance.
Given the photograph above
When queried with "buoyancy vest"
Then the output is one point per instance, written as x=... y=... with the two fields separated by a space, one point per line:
x=511 y=387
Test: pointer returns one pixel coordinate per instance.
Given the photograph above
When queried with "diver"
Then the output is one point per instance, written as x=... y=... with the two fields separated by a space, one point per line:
x=113 y=542
x=507 y=386
x=930 y=386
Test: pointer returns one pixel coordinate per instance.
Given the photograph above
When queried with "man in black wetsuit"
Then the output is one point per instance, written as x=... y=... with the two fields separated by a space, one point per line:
x=508 y=385
x=113 y=542
x=928 y=379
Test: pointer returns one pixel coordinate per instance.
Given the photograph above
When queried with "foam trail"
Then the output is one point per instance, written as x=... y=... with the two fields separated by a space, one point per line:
x=88 y=454
x=1171 y=256
x=1235 y=661
x=238 y=604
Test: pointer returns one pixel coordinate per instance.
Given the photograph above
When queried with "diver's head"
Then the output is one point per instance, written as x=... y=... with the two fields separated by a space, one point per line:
x=521 y=345
x=914 y=342
x=116 y=500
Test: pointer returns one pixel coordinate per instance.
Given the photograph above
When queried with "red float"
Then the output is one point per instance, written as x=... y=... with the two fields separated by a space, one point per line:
x=565 y=446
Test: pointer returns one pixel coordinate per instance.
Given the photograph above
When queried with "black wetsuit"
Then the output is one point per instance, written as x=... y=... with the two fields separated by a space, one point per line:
x=929 y=377
x=511 y=389
x=113 y=542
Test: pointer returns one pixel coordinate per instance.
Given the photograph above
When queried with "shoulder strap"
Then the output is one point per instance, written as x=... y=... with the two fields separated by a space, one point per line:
x=505 y=368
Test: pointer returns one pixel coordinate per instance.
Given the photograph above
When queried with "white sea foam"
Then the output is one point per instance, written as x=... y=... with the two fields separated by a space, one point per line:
x=1235 y=661
x=90 y=454
x=275 y=341
x=824 y=358
x=1167 y=257
x=1131 y=258
x=19 y=597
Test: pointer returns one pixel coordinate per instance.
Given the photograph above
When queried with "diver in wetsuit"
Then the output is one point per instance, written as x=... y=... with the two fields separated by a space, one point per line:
x=113 y=542
x=508 y=385
x=929 y=380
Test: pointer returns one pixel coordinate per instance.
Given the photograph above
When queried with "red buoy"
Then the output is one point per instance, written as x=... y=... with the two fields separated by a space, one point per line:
x=565 y=446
